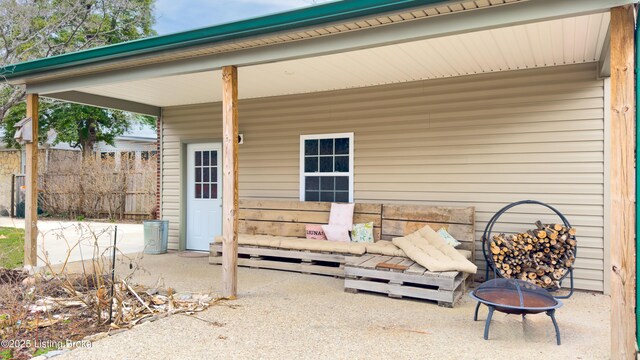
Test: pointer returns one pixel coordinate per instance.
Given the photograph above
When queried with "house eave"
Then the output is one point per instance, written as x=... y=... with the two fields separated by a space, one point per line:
x=241 y=50
x=280 y=22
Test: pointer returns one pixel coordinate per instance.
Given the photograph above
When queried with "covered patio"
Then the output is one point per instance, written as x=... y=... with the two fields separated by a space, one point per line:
x=284 y=315
x=452 y=103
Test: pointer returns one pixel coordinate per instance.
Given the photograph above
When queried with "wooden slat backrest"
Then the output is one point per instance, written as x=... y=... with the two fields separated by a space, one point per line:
x=289 y=218
x=399 y=220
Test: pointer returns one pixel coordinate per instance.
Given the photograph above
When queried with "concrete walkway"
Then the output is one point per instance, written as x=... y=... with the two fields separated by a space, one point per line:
x=59 y=238
x=283 y=315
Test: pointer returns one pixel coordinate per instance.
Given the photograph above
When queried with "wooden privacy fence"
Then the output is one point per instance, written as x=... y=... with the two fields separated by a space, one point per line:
x=116 y=195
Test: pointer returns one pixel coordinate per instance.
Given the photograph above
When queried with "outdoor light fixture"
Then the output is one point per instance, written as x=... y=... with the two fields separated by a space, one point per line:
x=24 y=134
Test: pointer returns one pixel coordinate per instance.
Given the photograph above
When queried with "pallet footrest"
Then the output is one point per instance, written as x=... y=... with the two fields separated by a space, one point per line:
x=363 y=274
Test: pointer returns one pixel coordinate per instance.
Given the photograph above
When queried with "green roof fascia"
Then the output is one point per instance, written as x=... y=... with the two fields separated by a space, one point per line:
x=290 y=20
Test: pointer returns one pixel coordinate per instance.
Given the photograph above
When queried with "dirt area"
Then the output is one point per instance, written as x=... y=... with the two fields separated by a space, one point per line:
x=47 y=312
x=22 y=322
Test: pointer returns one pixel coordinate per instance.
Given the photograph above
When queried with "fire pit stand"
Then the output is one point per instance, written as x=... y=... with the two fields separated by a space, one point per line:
x=512 y=296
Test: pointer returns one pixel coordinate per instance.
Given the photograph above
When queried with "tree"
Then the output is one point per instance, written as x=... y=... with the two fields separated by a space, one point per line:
x=77 y=125
x=32 y=29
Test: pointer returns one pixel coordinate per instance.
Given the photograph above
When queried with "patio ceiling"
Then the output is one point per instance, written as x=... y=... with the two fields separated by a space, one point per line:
x=571 y=40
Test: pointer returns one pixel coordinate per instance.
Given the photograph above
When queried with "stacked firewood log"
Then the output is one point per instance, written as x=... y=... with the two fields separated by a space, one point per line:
x=541 y=256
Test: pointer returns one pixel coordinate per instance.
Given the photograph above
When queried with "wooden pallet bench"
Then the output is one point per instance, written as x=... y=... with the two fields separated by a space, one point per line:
x=400 y=277
x=289 y=218
x=308 y=262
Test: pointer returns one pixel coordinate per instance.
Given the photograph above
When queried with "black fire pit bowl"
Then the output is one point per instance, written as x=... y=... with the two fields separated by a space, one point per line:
x=512 y=296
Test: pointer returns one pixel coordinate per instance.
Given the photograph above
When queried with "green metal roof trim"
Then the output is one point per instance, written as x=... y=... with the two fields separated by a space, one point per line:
x=290 y=20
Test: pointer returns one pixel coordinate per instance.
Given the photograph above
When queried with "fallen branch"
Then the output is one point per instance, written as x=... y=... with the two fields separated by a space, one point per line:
x=136 y=295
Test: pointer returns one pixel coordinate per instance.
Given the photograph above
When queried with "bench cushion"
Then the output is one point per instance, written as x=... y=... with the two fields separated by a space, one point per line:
x=428 y=249
x=381 y=247
x=293 y=243
x=387 y=248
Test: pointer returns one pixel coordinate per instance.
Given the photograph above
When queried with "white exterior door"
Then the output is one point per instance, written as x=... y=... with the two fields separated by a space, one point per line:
x=204 y=195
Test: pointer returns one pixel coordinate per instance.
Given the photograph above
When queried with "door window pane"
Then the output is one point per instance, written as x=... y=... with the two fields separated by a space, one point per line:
x=198 y=158
x=205 y=175
x=205 y=192
x=198 y=191
x=205 y=158
x=214 y=191
x=214 y=158
x=198 y=174
x=214 y=174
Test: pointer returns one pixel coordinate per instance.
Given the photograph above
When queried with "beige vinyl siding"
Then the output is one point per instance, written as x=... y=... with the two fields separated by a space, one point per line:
x=483 y=140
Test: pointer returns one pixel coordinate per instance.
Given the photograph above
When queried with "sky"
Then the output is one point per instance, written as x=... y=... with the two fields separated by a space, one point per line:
x=180 y=15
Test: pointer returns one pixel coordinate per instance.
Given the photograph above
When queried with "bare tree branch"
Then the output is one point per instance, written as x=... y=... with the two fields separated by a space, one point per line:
x=37 y=29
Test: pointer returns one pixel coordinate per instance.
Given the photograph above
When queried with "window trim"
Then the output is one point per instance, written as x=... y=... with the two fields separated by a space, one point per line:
x=349 y=135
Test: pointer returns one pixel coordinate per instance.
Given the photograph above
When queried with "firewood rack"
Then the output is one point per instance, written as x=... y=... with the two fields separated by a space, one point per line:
x=486 y=237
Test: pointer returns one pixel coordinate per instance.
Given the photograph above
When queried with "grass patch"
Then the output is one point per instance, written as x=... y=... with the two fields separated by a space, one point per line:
x=42 y=351
x=11 y=247
x=6 y=354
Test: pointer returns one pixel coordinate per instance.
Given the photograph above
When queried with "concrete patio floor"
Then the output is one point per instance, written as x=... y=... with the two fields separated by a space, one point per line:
x=130 y=238
x=283 y=315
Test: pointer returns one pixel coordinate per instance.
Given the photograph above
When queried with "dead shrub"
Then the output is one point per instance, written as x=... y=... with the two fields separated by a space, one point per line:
x=73 y=302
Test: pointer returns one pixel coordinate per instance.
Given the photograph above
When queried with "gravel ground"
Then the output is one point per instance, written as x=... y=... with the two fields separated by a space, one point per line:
x=282 y=315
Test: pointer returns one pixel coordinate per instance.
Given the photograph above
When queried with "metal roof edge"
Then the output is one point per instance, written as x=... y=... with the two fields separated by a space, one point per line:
x=294 y=19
